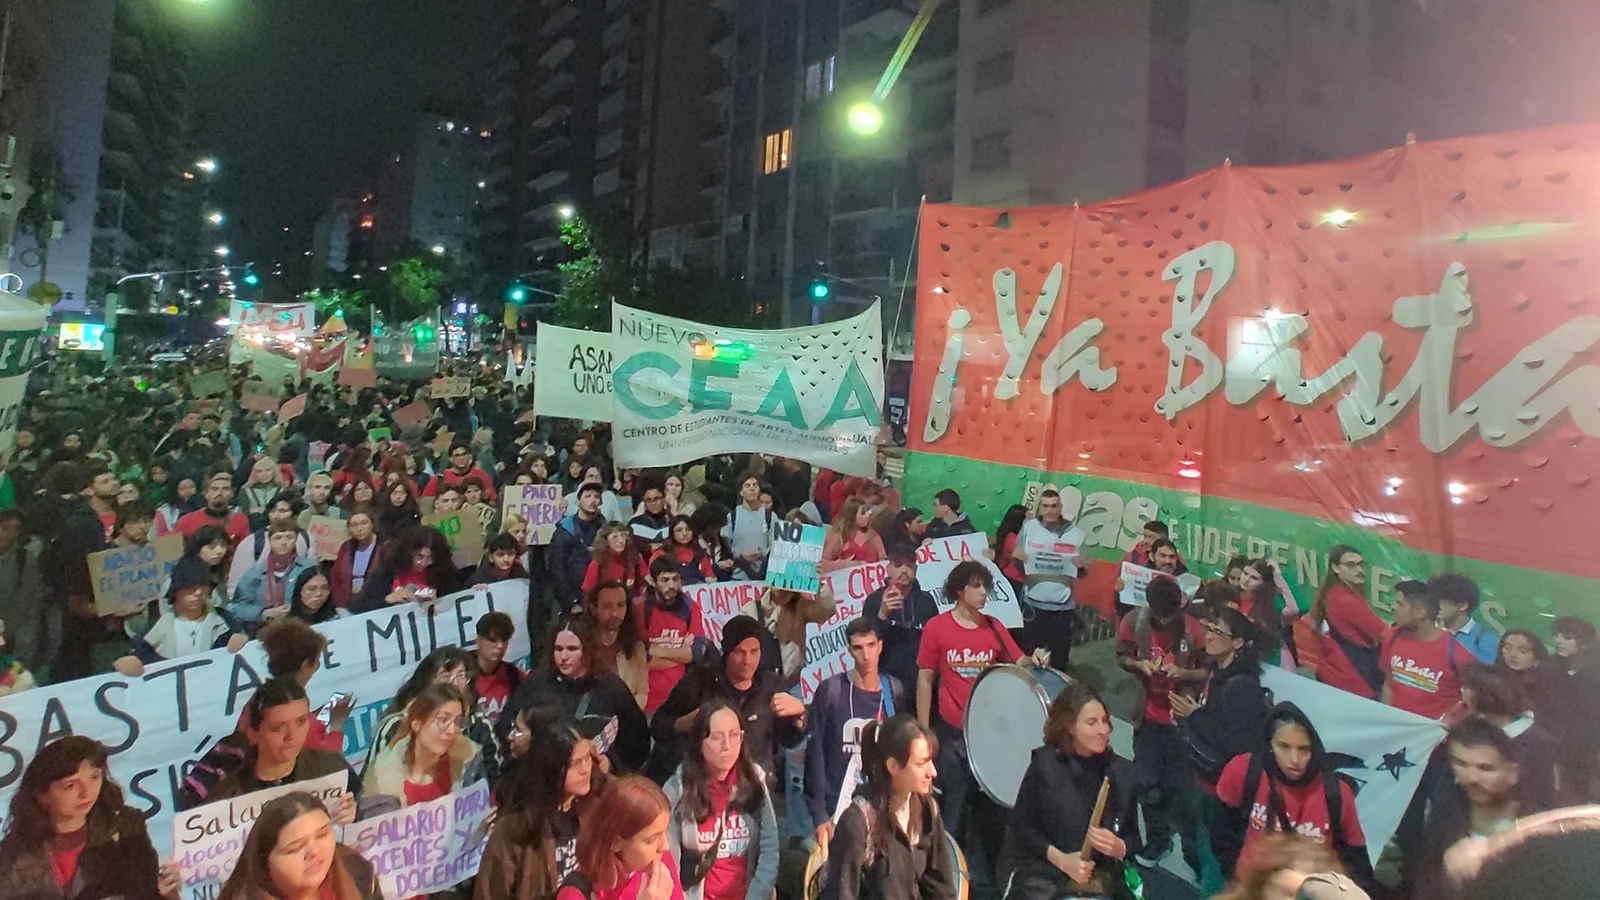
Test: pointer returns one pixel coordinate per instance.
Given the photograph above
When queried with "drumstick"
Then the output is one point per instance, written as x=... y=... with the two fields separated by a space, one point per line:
x=1094 y=820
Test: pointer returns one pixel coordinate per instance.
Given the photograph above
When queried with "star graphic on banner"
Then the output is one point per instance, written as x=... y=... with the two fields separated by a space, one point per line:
x=1394 y=762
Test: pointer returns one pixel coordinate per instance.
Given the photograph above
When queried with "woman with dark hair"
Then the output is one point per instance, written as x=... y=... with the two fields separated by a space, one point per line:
x=614 y=557
x=362 y=496
x=1226 y=719
x=353 y=471
x=69 y=836
x=533 y=846
x=684 y=546
x=430 y=757
x=1055 y=805
x=568 y=685
x=622 y=847
x=1525 y=659
x=708 y=521
x=1289 y=785
x=310 y=599
x=1575 y=678
x=417 y=566
x=292 y=853
x=356 y=557
x=618 y=647
x=1005 y=542
x=890 y=842
x=398 y=512
x=1351 y=632
x=1263 y=601
x=724 y=831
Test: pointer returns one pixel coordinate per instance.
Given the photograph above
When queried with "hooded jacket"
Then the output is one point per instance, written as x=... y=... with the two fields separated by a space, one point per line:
x=383 y=784
x=761 y=854
x=546 y=696
x=1232 y=713
x=571 y=549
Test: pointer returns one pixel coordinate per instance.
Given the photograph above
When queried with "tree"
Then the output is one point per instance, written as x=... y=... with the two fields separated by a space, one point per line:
x=602 y=271
x=412 y=290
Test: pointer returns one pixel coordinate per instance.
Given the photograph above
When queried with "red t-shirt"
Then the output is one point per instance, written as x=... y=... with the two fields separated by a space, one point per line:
x=727 y=879
x=959 y=654
x=424 y=793
x=1157 y=705
x=630 y=887
x=1424 y=674
x=494 y=690
x=238 y=526
x=409 y=578
x=64 y=856
x=1347 y=612
x=665 y=630
x=1306 y=808
x=452 y=477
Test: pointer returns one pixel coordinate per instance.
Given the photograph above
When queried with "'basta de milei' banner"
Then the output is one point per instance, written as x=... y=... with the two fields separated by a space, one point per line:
x=684 y=390
x=572 y=373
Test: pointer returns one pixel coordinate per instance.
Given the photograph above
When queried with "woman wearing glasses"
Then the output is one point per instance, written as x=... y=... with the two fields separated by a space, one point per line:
x=724 y=832
x=431 y=757
x=447 y=665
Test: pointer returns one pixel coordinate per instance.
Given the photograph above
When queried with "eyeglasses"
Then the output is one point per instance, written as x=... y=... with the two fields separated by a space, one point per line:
x=652 y=498
x=445 y=722
x=459 y=676
x=1217 y=630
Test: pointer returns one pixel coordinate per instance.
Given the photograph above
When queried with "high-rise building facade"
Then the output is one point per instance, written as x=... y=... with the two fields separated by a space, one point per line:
x=428 y=193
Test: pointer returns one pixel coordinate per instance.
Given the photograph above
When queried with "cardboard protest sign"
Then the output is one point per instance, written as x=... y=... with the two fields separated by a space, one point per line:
x=796 y=551
x=464 y=534
x=125 y=577
x=540 y=505
x=426 y=848
x=935 y=559
x=827 y=653
x=440 y=445
x=294 y=406
x=720 y=601
x=259 y=396
x=157 y=724
x=328 y=534
x=413 y=413
x=485 y=513
x=207 y=840
x=448 y=386
x=208 y=384
x=1134 y=581
x=317 y=455
x=379 y=435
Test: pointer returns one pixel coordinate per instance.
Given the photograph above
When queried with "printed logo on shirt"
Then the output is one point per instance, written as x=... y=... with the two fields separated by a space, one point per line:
x=1258 y=821
x=735 y=835
x=566 y=858
x=669 y=639
x=1407 y=672
x=966 y=662
x=852 y=735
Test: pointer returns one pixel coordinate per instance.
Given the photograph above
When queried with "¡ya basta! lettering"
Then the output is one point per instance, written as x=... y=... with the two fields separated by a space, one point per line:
x=1511 y=406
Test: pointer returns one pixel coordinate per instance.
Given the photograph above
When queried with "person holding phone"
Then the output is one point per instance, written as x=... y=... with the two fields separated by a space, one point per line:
x=900 y=609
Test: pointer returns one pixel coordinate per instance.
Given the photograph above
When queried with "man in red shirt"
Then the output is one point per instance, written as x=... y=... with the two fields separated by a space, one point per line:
x=218 y=511
x=460 y=467
x=1159 y=646
x=958 y=646
x=1421 y=661
x=670 y=625
x=497 y=679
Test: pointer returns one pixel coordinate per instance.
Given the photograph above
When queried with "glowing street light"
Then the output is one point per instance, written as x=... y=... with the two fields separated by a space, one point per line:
x=566 y=212
x=438 y=249
x=865 y=118
x=207 y=165
x=216 y=218
x=223 y=252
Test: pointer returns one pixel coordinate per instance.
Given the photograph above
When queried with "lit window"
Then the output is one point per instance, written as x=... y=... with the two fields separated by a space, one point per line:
x=776 y=150
x=827 y=74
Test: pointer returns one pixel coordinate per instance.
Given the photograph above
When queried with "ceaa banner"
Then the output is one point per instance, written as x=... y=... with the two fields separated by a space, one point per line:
x=572 y=373
x=21 y=324
x=684 y=390
x=1381 y=749
x=156 y=724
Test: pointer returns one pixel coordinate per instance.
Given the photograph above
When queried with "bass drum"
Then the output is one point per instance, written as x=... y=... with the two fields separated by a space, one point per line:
x=817 y=867
x=1005 y=722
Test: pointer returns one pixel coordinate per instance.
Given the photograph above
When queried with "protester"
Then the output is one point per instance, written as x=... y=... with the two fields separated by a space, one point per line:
x=948 y=519
x=618 y=648
x=1286 y=863
x=841 y=707
x=497 y=679
x=572 y=547
x=1499 y=699
x=461 y=467
x=622 y=847
x=901 y=609
x=278 y=720
x=70 y=836
x=191 y=626
x=1265 y=600
x=1421 y=662
x=851 y=541
x=610 y=508
x=319 y=500
x=309 y=599
x=545 y=796
x=284 y=509
x=1524 y=658
x=263 y=592
x=1458 y=600
x=1056 y=803
x=724 y=831
x=890 y=843
x=1482 y=799
x=649 y=526
x=14 y=675
x=614 y=557
x=417 y=567
x=786 y=614
x=1348 y=657
x=32 y=623
x=451 y=666
x=1048 y=546
x=1575 y=680
x=348 y=574
x=80 y=528
x=684 y=546
x=399 y=513
x=749 y=532
x=671 y=627
x=292 y=853
x=677 y=503
x=708 y=522
x=1225 y=720
x=502 y=562
x=430 y=757
x=1005 y=542
x=218 y=510
x=261 y=488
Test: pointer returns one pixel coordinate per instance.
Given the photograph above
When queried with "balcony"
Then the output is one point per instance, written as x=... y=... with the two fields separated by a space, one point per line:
x=547 y=149
x=884 y=20
x=558 y=20
x=550 y=180
x=556 y=86
x=122 y=123
x=557 y=52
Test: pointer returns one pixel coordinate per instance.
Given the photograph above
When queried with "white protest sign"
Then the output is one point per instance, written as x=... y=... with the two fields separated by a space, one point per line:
x=827 y=653
x=720 y=601
x=426 y=848
x=207 y=840
x=328 y=534
x=572 y=373
x=273 y=319
x=1049 y=556
x=540 y=505
x=796 y=552
x=156 y=724
x=936 y=558
x=1382 y=748
x=1134 y=581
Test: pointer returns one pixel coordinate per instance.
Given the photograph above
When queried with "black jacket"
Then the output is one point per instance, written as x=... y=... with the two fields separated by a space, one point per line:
x=119 y=863
x=445 y=580
x=939 y=529
x=826 y=759
x=763 y=731
x=1234 y=715
x=903 y=632
x=903 y=871
x=546 y=697
x=568 y=557
x=1053 y=808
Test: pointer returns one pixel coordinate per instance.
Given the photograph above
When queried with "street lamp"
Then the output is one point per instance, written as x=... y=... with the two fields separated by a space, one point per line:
x=223 y=252
x=216 y=218
x=566 y=212
x=438 y=249
x=865 y=118
x=207 y=165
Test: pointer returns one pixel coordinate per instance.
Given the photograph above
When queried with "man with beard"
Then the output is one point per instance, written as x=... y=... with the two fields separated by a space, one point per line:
x=572 y=547
x=1480 y=800
x=670 y=625
x=900 y=609
x=218 y=511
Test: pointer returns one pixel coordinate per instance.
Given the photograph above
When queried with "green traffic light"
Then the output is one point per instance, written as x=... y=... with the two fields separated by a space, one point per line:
x=517 y=293
x=252 y=279
x=820 y=290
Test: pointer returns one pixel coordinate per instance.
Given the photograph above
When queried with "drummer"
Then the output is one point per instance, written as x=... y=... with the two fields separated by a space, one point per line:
x=956 y=647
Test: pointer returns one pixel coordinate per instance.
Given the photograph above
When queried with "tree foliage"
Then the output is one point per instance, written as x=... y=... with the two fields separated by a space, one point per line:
x=606 y=269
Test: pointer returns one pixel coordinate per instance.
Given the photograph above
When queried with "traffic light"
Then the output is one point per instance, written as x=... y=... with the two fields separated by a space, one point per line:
x=517 y=293
x=820 y=289
x=424 y=331
x=251 y=279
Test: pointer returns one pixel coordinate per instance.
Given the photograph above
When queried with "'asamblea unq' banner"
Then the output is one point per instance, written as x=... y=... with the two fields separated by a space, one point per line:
x=1393 y=352
x=156 y=724
x=572 y=373
x=684 y=390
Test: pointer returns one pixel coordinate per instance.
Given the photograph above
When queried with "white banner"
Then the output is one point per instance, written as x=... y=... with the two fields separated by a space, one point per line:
x=21 y=325
x=720 y=601
x=1382 y=749
x=572 y=373
x=273 y=319
x=156 y=724
x=935 y=559
x=207 y=840
x=426 y=848
x=686 y=390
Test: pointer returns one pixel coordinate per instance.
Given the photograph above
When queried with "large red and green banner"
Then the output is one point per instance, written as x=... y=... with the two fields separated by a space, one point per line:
x=1394 y=351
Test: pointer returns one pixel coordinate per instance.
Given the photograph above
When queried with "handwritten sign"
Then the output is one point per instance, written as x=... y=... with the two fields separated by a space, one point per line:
x=485 y=514
x=827 y=651
x=258 y=396
x=720 y=601
x=1135 y=579
x=426 y=848
x=540 y=505
x=126 y=577
x=317 y=455
x=464 y=534
x=936 y=558
x=413 y=413
x=796 y=551
x=328 y=534
x=448 y=386
x=355 y=376
x=207 y=840
x=294 y=406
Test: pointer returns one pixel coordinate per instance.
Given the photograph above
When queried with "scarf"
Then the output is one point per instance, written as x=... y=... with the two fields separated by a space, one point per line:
x=277 y=578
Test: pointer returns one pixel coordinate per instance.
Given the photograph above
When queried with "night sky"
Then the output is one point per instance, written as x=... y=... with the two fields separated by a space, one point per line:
x=297 y=98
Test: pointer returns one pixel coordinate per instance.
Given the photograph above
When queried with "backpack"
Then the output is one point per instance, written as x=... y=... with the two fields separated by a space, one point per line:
x=222 y=758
